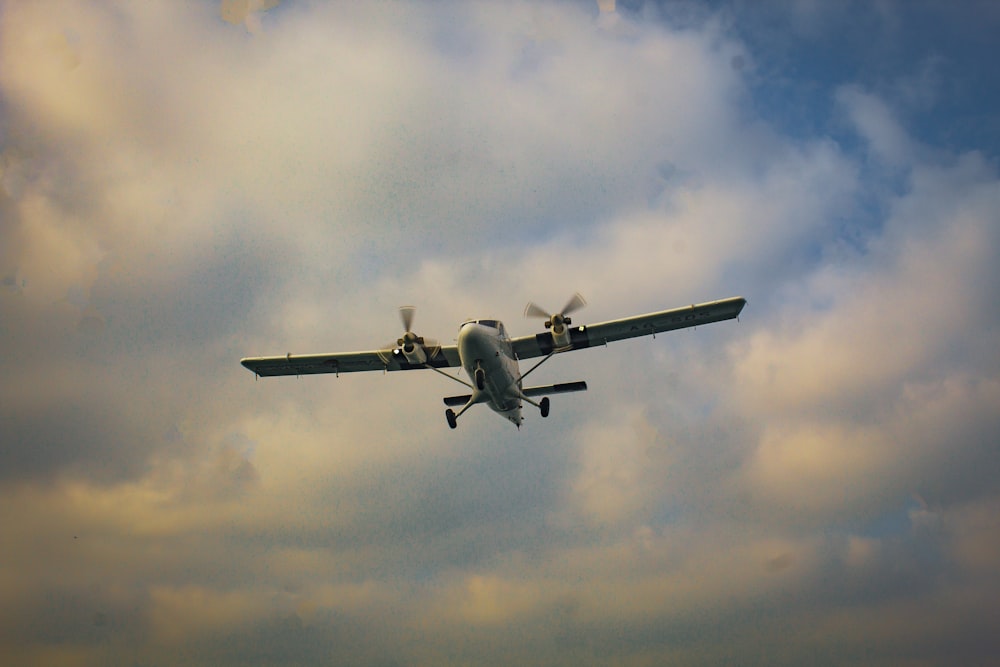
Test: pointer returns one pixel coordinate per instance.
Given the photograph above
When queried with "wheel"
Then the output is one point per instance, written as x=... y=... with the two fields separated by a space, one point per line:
x=449 y=414
x=544 y=405
x=480 y=379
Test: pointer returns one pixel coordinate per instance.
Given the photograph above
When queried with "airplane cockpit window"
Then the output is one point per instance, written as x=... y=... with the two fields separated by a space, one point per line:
x=493 y=324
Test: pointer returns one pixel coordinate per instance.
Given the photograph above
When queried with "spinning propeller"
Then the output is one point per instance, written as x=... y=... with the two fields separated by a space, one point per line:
x=557 y=322
x=416 y=349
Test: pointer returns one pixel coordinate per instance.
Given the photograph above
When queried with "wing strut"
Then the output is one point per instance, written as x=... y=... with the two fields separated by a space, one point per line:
x=525 y=374
x=450 y=377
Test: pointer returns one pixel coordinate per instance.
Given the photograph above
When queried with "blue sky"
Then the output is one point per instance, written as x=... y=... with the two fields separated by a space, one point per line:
x=929 y=59
x=186 y=184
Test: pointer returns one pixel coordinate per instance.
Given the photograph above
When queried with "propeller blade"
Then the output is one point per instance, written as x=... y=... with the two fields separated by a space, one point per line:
x=534 y=310
x=575 y=303
x=430 y=347
x=406 y=313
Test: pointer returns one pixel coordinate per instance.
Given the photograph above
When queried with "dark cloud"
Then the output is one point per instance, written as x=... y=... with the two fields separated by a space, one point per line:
x=178 y=192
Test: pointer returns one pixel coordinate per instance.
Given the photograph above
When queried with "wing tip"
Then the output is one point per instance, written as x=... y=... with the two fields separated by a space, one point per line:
x=248 y=363
x=739 y=301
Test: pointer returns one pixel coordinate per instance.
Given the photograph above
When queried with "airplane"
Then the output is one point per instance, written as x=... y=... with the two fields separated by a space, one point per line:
x=491 y=358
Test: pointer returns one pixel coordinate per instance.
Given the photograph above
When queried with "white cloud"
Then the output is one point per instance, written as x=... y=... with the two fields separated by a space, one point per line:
x=179 y=192
x=875 y=121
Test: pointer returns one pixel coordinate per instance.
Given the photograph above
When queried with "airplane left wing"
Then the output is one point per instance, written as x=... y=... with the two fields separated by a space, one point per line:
x=345 y=362
x=539 y=345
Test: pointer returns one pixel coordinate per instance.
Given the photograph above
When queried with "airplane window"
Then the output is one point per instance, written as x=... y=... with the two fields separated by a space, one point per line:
x=496 y=324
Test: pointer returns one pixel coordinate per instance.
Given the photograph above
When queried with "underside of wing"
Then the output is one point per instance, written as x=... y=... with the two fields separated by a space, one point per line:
x=602 y=333
x=345 y=362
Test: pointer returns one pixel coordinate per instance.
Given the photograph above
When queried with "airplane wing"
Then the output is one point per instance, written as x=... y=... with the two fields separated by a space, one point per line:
x=345 y=362
x=539 y=345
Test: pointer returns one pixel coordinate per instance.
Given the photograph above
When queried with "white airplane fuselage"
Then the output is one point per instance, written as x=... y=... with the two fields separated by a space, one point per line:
x=488 y=359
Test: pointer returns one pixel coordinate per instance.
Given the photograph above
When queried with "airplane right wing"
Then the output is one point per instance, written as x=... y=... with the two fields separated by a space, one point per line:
x=539 y=345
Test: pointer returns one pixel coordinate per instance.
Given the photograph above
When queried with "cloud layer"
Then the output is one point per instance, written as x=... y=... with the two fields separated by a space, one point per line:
x=184 y=186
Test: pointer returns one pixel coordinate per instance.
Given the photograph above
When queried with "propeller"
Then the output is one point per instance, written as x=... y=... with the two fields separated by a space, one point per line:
x=553 y=321
x=406 y=314
x=416 y=349
x=557 y=322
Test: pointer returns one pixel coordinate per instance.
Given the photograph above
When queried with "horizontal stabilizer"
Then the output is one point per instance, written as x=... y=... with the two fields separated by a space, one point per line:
x=549 y=389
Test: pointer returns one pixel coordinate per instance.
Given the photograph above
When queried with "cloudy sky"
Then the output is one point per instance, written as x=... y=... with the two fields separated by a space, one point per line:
x=185 y=184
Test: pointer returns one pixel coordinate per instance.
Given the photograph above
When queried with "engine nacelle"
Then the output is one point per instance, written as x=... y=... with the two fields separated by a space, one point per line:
x=414 y=353
x=560 y=333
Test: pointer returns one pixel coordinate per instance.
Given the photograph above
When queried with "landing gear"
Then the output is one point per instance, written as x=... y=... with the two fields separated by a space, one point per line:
x=543 y=405
x=449 y=414
x=480 y=378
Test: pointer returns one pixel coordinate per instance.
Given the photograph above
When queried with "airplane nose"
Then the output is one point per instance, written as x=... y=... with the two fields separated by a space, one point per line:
x=470 y=338
x=473 y=343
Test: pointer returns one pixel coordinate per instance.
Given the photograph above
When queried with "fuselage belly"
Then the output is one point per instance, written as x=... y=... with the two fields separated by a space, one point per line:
x=489 y=361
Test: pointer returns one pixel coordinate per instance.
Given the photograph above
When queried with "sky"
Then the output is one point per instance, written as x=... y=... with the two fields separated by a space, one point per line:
x=183 y=184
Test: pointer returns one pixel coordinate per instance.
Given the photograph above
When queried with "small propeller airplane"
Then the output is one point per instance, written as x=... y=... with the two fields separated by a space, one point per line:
x=491 y=358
